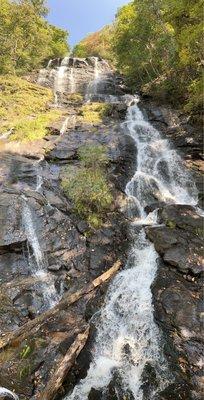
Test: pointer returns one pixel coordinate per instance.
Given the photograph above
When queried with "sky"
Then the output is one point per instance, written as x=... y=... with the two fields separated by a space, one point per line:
x=81 y=17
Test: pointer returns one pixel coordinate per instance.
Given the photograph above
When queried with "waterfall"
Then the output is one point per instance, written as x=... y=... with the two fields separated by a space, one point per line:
x=72 y=78
x=8 y=393
x=49 y=63
x=70 y=121
x=160 y=174
x=39 y=266
x=127 y=337
x=92 y=88
x=61 y=79
x=42 y=77
x=96 y=69
x=39 y=178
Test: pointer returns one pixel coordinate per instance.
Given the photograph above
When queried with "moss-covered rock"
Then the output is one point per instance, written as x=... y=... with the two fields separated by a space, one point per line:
x=24 y=109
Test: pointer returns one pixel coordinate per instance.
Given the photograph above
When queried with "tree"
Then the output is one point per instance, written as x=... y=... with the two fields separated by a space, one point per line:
x=98 y=44
x=26 y=38
x=157 y=45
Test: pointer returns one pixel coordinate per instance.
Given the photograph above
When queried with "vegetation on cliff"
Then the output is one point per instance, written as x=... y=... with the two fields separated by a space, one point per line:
x=94 y=112
x=87 y=185
x=26 y=38
x=158 y=46
x=24 y=109
x=98 y=44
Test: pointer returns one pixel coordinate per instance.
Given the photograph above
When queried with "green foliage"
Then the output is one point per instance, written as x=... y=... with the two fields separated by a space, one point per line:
x=94 y=112
x=24 y=108
x=26 y=38
x=98 y=44
x=87 y=186
x=171 y=224
x=158 y=46
x=26 y=352
x=93 y=156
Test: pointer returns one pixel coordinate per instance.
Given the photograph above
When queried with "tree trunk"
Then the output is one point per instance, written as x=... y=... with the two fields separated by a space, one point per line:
x=56 y=380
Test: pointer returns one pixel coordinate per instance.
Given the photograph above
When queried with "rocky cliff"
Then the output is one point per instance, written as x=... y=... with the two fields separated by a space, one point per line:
x=51 y=256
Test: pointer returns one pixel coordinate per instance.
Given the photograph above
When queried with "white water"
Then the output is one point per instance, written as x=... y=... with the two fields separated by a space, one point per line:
x=38 y=268
x=160 y=173
x=70 y=122
x=61 y=79
x=92 y=88
x=72 y=78
x=4 y=391
x=128 y=337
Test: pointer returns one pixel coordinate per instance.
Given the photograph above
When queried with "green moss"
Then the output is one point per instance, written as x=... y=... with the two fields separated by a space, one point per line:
x=24 y=108
x=94 y=112
x=75 y=98
x=93 y=155
x=171 y=224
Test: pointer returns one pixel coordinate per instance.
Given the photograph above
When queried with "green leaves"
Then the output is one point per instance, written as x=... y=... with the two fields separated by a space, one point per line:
x=26 y=38
x=97 y=44
x=87 y=186
x=158 y=45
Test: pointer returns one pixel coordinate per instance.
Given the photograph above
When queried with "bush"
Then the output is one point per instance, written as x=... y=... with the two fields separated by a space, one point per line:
x=94 y=112
x=87 y=185
x=93 y=155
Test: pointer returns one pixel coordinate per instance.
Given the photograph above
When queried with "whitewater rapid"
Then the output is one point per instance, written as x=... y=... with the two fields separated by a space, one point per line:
x=127 y=337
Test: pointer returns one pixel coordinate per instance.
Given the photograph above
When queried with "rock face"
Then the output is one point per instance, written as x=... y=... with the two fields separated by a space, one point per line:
x=45 y=250
x=178 y=291
x=90 y=76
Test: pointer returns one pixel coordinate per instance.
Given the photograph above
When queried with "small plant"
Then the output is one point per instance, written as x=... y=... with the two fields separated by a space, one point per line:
x=93 y=155
x=94 y=112
x=87 y=186
x=171 y=224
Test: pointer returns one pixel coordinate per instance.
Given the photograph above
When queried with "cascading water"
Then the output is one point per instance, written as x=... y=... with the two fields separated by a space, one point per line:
x=72 y=78
x=70 y=121
x=160 y=175
x=37 y=261
x=39 y=177
x=127 y=337
x=8 y=394
x=92 y=88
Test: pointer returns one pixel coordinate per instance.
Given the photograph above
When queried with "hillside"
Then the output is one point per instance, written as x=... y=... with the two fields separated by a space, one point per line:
x=25 y=109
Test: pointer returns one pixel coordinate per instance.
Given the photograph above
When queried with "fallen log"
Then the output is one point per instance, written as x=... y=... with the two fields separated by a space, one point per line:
x=67 y=301
x=57 y=379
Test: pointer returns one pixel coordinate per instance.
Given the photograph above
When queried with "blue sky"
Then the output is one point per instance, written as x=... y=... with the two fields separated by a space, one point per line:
x=81 y=17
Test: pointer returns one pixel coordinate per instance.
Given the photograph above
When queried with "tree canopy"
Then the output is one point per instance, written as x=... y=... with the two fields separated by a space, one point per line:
x=158 y=43
x=26 y=38
x=98 y=44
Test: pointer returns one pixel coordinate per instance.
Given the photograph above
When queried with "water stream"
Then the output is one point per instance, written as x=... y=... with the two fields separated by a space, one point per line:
x=8 y=393
x=72 y=78
x=37 y=260
x=127 y=337
x=92 y=88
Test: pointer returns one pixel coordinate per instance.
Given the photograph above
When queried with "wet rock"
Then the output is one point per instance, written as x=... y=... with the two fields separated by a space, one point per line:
x=12 y=233
x=54 y=268
x=177 y=293
x=95 y=394
x=182 y=216
x=180 y=242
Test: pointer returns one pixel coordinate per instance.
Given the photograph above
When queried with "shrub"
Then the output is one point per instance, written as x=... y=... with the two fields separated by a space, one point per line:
x=93 y=155
x=87 y=185
x=94 y=112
